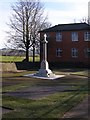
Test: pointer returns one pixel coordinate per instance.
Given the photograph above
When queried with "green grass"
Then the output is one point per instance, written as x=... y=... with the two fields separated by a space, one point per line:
x=79 y=72
x=82 y=73
x=16 y=58
x=52 y=106
x=16 y=74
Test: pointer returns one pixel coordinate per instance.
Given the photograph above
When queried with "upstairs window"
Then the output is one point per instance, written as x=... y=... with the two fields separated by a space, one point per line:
x=74 y=52
x=74 y=36
x=58 y=52
x=59 y=36
x=87 y=52
x=87 y=36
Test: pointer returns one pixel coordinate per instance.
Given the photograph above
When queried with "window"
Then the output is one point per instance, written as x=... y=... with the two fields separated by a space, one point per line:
x=58 y=52
x=74 y=36
x=87 y=52
x=87 y=36
x=74 y=52
x=58 y=36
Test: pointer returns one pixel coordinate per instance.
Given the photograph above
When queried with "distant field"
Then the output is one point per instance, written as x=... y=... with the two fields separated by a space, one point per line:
x=16 y=58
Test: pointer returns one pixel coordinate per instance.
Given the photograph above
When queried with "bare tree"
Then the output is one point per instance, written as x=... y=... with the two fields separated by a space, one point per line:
x=85 y=19
x=27 y=19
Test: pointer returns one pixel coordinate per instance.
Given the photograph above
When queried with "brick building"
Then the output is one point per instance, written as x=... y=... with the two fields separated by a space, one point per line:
x=68 y=43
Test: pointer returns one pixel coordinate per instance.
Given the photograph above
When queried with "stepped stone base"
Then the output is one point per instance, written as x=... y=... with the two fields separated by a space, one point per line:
x=44 y=72
x=42 y=77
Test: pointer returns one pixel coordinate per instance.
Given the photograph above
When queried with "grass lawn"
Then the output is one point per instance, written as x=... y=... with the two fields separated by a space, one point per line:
x=51 y=106
x=16 y=58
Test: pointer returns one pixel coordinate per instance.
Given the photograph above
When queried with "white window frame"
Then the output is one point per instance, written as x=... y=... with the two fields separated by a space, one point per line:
x=87 y=52
x=74 y=52
x=58 y=36
x=87 y=36
x=58 y=52
x=74 y=36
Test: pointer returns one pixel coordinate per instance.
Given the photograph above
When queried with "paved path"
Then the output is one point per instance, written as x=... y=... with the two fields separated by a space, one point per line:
x=79 y=111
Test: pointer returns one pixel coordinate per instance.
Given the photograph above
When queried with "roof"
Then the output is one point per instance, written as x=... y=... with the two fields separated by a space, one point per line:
x=68 y=27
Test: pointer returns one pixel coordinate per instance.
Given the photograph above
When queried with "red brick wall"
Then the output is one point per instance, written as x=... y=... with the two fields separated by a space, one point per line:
x=66 y=45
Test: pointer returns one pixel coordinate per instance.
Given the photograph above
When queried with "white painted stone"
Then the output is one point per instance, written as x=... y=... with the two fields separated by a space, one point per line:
x=44 y=71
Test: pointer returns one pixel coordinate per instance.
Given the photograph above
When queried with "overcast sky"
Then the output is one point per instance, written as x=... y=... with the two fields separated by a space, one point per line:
x=58 y=11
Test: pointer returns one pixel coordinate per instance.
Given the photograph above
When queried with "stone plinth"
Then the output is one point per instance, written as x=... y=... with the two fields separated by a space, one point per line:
x=44 y=71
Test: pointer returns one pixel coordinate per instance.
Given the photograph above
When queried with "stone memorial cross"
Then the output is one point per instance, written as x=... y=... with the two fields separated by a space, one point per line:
x=44 y=70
